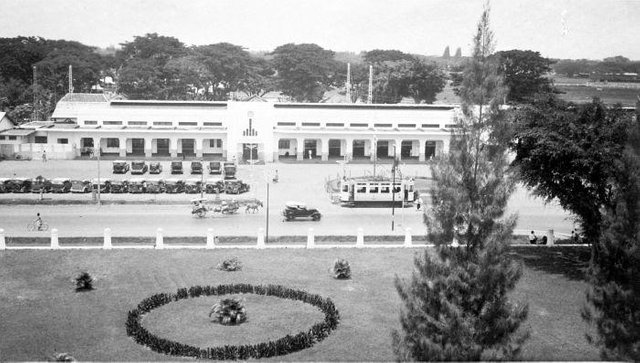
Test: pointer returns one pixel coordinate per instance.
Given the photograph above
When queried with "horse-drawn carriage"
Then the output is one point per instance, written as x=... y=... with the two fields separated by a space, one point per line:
x=200 y=209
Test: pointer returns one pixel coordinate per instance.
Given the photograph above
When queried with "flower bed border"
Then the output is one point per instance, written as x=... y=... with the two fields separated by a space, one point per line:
x=285 y=345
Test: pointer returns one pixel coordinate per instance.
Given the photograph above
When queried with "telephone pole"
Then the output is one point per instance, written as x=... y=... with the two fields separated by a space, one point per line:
x=370 y=95
x=348 y=85
x=34 y=113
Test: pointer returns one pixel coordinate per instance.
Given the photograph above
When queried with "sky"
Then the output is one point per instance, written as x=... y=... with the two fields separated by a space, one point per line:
x=574 y=29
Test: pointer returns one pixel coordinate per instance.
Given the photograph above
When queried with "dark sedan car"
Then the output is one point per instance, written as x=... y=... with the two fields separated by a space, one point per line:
x=174 y=186
x=60 y=185
x=155 y=168
x=119 y=186
x=176 y=167
x=41 y=184
x=294 y=210
x=155 y=186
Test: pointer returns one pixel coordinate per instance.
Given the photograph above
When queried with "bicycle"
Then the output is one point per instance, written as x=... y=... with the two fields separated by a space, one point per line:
x=34 y=227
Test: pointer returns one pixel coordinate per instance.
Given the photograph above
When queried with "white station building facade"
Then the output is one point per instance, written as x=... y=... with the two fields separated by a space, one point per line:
x=83 y=124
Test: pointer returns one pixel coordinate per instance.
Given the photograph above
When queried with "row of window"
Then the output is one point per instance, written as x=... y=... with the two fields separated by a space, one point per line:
x=2 y=137
x=363 y=124
x=154 y=123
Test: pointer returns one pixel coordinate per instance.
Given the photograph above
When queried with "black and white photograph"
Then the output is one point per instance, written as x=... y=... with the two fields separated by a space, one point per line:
x=319 y=180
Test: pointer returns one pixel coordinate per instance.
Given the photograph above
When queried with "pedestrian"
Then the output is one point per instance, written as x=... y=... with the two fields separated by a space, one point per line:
x=38 y=222
x=419 y=203
x=44 y=156
x=574 y=237
x=533 y=239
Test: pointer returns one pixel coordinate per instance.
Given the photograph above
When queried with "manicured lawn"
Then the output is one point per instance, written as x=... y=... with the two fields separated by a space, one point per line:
x=41 y=313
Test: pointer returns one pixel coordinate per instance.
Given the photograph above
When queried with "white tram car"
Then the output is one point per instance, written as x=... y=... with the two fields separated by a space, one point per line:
x=360 y=191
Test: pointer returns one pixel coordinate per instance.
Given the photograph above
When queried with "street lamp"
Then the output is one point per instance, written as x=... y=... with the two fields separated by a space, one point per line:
x=393 y=190
x=375 y=154
x=97 y=152
x=266 y=238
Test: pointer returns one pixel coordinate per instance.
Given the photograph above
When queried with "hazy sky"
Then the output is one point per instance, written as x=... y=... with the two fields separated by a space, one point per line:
x=591 y=29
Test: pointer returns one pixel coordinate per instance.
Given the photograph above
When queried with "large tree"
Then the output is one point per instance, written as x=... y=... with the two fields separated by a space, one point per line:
x=456 y=305
x=524 y=73
x=614 y=297
x=568 y=152
x=305 y=71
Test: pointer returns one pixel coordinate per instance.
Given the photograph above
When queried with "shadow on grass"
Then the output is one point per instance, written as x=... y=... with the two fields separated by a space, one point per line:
x=571 y=262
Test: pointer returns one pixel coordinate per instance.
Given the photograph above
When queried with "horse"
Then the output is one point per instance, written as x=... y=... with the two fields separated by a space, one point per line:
x=253 y=206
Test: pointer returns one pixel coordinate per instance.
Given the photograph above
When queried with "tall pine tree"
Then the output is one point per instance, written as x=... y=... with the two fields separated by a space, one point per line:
x=613 y=300
x=455 y=304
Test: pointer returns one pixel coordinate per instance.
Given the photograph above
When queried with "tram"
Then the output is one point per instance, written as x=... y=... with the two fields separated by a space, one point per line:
x=363 y=191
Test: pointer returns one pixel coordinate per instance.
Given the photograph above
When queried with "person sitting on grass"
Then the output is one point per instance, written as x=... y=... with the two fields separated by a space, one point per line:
x=533 y=239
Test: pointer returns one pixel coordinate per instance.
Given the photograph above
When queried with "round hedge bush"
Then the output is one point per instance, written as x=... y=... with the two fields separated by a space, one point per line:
x=285 y=345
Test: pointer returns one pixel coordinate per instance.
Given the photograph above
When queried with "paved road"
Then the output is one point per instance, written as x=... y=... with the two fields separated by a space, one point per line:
x=298 y=182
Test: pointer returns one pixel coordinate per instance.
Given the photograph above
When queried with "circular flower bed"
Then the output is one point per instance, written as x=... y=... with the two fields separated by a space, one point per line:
x=285 y=345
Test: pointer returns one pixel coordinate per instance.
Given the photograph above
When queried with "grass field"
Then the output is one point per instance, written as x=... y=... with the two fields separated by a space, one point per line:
x=581 y=94
x=41 y=314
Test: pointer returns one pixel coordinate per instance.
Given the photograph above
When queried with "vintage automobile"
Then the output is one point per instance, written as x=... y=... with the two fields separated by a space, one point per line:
x=213 y=186
x=120 y=167
x=235 y=187
x=196 y=167
x=174 y=186
x=192 y=186
x=176 y=167
x=80 y=186
x=60 y=185
x=294 y=210
x=18 y=185
x=105 y=185
x=229 y=170
x=155 y=186
x=137 y=185
x=41 y=184
x=3 y=188
x=139 y=167
x=155 y=167
x=119 y=186
x=215 y=167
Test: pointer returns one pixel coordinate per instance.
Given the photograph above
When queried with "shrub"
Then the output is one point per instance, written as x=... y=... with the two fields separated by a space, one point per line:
x=84 y=282
x=230 y=264
x=341 y=269
x=229 y=312
x=62 y=357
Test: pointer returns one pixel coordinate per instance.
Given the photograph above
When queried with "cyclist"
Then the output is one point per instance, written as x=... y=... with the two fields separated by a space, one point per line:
x=38 y=222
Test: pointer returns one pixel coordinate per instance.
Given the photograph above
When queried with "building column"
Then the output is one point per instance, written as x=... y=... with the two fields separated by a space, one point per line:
x=398 y=144
x=198 y=145
x=148 y=148
x=299 y=149
x=325 y=149
x=173 y=147
x=349 y=149
x=373 y=146
x=96 y=146
x=123 y=146
x=421 y=146
x=445 y=146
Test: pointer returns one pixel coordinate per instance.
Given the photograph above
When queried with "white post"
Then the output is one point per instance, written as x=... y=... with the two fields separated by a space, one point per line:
x=261 y=244
x=310 y=239
x=159 y=239
x=54 y=239
x=407 y=237
x=3 y=243
x=107 y=239
x=360 y=238
x=550 y=238
x=210 y=239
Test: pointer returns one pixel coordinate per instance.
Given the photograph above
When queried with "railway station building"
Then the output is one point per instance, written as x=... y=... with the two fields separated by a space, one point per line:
x=83 y=124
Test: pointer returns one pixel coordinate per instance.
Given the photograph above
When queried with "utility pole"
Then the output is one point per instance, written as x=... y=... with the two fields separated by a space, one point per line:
x=70 y=78
x=34 y=113
x=98 y=153
x=370 y=95
x=393 y=190
x=266 y=238
x=348 y=85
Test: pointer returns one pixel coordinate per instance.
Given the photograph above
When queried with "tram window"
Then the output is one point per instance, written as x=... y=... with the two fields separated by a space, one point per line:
x=362 y=188
x=396 y=188
x=385 y=189
x=373 y=189
x=345 y=188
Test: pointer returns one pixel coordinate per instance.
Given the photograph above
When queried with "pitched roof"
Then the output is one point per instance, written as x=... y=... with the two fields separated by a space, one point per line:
x=84 y=97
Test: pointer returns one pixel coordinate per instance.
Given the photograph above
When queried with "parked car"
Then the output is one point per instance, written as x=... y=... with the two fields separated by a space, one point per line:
x=155 y=168
x=136 y=185
x=60 y=185
x=212 y=186
x=176 y=167
x=192 y=186
x=294 y=210
x=230 y=170
x=3 y=188
x=174 y=186
x=139 y=167
x=235 y=187
x=196 y=167
x=18 y=185
x=215 y=167
x=120 y=167
x=80 y=186
x=105 y=185
x=119 y=186
x=41 y=184
x=155 y=186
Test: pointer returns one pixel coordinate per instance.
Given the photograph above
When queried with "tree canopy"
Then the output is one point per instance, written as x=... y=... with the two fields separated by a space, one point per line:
x=524 y=73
